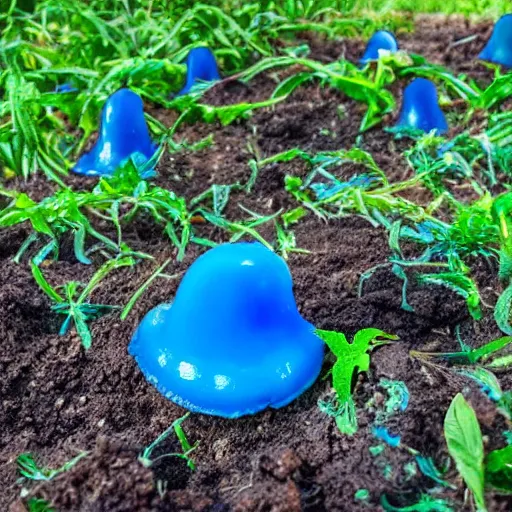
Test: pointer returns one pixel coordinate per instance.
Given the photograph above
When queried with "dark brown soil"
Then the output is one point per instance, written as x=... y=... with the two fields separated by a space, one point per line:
x=57 y=399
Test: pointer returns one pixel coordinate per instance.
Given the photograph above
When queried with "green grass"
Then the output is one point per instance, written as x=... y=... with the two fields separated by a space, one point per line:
x=488 y=8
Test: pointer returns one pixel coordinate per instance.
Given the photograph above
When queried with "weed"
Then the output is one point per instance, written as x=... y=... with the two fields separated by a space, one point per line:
x=351 y=359
x=464 y=440
x=28 y=467
x=75 y=305
x=465 y=445
x=39 y=505
x=488 y=354
x=426 y=503
x=146 y=456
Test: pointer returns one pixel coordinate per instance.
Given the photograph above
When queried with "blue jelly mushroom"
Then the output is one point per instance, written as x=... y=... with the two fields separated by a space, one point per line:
x=201 y=67
x=381 y=40
x=123 y=134
x=232 y=343
x=420 y=108
x=499 y=47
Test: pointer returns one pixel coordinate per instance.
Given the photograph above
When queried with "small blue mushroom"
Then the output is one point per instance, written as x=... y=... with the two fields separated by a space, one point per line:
x=232 y=343
x=123 y=134
x=420 y=108
x=499 y=47
x=381 y=40
x=201 y=67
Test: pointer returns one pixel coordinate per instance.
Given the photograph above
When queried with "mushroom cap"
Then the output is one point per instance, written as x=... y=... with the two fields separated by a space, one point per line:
x=201 y=66
x=381 y=40
x=123 y=133
x=420 y=108
x=232 y=343
x=499 y=47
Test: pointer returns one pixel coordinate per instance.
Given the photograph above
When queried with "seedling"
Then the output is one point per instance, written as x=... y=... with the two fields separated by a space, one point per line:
x=464 y=440
x=465 y=445
x=39 y=505
x=351 y=359
x=28 y=467
x=145 y=458
x=488 y=355
x=74 y=304
x=426 y=503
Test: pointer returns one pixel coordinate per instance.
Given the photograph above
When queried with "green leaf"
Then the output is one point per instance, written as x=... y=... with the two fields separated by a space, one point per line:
x=502 y=310
x=293 y=216
x=82 y=329
x=498 y=469
x=459 y=283
x=351 y=358
x=43 y=283
x=79 y=243
x=28 y=467
x=465 y=445
x=427 y=503
x=481 y=354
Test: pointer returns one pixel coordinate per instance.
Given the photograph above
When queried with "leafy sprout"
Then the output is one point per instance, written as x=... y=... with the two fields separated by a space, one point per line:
x=351 y=359
x=30 y=469
x=74 y=303
x=146 y=458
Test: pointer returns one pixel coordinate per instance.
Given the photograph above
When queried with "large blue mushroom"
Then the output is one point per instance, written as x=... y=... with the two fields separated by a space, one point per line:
x=420 y=108
x=232 y=343
x=380 y=41
x=201 y=67
x=499 y=47
x=123 y=134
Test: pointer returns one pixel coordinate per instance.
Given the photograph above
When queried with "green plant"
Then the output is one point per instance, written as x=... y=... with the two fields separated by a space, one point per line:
x=39 y=505
x=465 y=445
x=489 y=354
x=498 y=469
x=351 y=359
x=145 y=457
x=426 y=503
x=75 y=305
x=342 y=75
x=28 y=467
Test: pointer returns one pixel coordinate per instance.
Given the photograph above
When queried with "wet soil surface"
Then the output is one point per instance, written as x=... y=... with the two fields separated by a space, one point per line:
x=57 y=399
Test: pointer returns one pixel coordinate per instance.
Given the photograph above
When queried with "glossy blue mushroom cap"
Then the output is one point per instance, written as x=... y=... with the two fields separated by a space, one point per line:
x=420 y=108
x=201 y=67
x=232 y=343
x=499 y=47
x=381 y=40
x=123 y=134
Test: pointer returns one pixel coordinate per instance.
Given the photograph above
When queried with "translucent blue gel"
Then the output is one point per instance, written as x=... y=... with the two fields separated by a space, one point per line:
x=420 y=108
x=381 y=40
x=499 y=47
x=123 y=134
x=232 y=343
x=201 y=67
